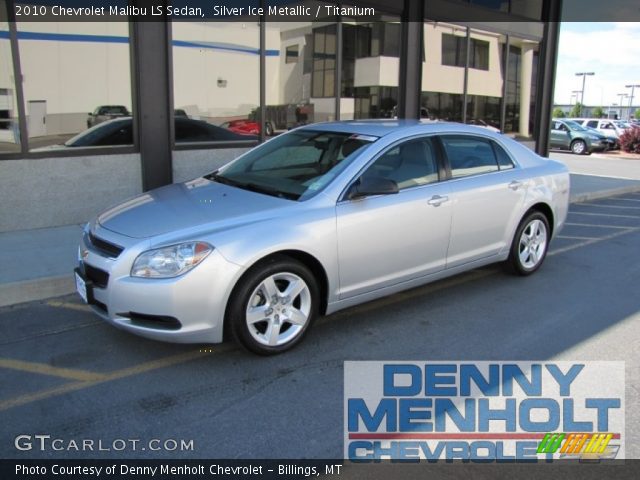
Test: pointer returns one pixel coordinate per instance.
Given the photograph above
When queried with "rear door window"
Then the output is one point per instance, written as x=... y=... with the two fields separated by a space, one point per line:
x=470 y=155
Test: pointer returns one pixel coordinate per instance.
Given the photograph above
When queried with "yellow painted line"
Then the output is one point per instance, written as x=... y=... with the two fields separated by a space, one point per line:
x=115 y=375
x=72 y=306
x=44 y=369
x=164 y=362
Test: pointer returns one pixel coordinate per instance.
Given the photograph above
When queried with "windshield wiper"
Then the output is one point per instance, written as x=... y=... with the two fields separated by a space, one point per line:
x=253 y=187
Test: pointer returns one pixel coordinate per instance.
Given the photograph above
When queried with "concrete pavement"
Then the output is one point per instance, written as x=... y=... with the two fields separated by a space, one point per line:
x=37 y=264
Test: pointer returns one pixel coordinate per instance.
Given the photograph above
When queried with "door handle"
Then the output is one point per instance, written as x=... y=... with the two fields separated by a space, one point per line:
x=515 y=185
x=437 y=200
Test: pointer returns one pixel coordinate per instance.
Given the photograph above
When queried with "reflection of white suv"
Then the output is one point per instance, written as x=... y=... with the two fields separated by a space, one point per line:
x=610 y=128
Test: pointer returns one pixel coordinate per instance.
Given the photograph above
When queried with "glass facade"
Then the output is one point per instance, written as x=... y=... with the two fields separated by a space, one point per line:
x=479 y=76
x=75 y=77
x=214 y=104
x=492 y=86
x=9 y=125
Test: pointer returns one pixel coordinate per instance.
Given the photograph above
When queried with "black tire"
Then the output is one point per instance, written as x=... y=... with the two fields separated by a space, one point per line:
x=250 y=293
x=517 y=261
x=579 y=147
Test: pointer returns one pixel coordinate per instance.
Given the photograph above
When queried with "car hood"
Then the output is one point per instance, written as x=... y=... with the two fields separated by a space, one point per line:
x=187 y=205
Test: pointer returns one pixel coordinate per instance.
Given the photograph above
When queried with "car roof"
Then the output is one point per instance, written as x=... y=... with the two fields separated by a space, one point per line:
x=382 y=127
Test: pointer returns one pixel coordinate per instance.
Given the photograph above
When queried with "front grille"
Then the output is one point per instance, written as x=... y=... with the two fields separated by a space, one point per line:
x=99 y=277
x=107 y=248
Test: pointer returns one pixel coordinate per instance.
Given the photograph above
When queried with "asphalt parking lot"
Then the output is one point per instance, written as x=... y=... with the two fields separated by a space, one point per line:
x=67 y=374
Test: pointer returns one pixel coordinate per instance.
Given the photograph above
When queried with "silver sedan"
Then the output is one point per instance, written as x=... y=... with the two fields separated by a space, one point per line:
x=316 y=220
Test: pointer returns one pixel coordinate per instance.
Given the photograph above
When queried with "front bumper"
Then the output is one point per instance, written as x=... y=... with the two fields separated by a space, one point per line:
x=185 y=309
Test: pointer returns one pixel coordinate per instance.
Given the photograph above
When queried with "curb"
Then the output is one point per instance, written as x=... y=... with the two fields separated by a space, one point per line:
x=36 y=289
x=48 y=287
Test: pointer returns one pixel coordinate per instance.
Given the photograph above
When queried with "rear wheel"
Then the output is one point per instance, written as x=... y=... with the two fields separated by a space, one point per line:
x=273 y=306
x=579 y=147
x=530 y=244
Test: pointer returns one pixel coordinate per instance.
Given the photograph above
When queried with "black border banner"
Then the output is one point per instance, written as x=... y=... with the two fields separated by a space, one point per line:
x=319 y=11
x=288 y=469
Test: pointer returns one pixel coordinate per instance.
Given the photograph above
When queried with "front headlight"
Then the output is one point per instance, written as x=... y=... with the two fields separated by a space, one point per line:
x=167 y=262
x=593 y=137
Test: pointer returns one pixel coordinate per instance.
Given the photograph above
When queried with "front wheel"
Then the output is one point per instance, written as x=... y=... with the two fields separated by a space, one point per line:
x=579 y=147
x=530 y=244
x=273 y=306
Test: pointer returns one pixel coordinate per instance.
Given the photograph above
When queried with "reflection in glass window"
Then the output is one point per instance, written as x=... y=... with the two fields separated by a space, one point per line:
x=442 y=95
x=409 y=164
x=302 y=92
x=324 y=61
x=216 y=80
x=521 y=86
x=454 y=50
x=370 y=69
x=76 y=75
x=9 y=126
x=469 y=155
x=291 y=54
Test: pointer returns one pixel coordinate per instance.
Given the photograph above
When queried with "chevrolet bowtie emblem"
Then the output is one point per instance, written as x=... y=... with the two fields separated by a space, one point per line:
x=85 y=254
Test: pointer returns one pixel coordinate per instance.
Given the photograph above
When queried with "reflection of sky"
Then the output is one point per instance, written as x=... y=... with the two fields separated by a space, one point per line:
x=610 y=50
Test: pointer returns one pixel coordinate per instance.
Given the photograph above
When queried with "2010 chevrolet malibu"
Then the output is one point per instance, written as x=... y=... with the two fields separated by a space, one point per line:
x=316 y=220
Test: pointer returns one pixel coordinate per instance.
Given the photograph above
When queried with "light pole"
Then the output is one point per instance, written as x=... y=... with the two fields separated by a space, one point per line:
x=621 y=95
x=584 y=78
x=633 y=88
x=575 y=93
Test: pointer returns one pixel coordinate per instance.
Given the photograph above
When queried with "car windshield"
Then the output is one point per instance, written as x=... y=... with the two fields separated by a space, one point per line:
x=96 y=134
x=296 y=165
x=114 y=110
x=576 y=127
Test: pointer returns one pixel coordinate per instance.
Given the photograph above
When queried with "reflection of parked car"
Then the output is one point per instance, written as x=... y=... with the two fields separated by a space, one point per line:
x=608 y=128
x=316 y=220
x=120 y=132
x=242 y=126
x=568 y=135
x=106 y=112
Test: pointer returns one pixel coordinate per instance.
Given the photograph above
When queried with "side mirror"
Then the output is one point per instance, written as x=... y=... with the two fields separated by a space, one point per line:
x=369 y=186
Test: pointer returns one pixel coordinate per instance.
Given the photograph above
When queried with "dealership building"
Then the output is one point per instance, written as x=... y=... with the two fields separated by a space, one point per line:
x=489 y=63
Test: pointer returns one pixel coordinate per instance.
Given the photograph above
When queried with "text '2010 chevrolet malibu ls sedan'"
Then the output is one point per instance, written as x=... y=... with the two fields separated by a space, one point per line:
x=315 y=220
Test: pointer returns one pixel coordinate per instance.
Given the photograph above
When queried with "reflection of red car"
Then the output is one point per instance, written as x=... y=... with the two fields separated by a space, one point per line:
x=246 y=127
